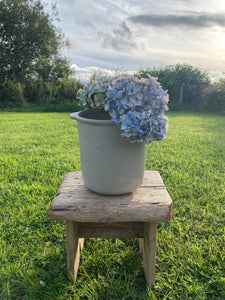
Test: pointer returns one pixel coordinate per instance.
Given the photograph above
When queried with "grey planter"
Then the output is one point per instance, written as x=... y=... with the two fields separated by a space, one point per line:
x=110 y=164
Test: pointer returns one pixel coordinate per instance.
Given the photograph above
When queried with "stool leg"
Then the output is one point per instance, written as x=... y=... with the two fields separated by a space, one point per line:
x=141 y=246
x=150 y=252
x=73 y=250
x=81 y=242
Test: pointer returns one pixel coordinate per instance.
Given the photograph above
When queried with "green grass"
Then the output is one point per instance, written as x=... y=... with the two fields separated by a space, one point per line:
x=38 y=149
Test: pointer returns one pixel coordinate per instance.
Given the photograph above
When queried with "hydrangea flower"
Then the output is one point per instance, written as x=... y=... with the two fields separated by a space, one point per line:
x=93 y=94
x=137 y=106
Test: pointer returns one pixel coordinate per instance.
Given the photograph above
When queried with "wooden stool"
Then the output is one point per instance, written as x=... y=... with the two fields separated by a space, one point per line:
x=133 y=215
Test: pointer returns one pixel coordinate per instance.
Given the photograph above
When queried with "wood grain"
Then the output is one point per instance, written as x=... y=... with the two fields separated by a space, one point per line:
x=111 y=230
x=149 y=203
x=149 y=255
x=72 y=249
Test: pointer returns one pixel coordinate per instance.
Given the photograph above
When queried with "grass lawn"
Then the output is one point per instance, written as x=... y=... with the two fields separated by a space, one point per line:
x=38 y=149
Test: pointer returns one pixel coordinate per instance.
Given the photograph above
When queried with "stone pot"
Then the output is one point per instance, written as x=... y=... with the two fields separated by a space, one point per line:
x=110 y=164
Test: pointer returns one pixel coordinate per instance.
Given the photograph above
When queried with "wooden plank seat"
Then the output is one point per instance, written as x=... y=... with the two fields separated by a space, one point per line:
x=133 y=215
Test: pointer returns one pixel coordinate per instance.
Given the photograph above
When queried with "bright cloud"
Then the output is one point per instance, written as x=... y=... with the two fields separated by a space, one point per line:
x=84 y=74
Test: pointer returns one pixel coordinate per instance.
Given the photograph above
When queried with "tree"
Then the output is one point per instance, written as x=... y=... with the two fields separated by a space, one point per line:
x=180 y=80
x=28 y=39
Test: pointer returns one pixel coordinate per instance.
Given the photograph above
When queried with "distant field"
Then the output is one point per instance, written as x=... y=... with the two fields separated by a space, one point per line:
x=38 y=149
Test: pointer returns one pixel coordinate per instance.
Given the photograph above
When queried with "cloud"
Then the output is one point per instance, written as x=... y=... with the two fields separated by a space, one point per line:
x=197 y=20
x=131 y=34
x=84 y=74
x=102 y=23
x=119 y=39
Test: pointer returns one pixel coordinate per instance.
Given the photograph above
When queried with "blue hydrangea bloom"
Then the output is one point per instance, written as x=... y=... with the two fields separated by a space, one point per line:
x=137 y=106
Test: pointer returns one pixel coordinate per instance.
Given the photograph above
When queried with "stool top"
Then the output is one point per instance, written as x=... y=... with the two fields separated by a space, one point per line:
x=148 y=203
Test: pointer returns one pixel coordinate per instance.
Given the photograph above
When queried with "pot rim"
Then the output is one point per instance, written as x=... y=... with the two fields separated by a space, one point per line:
x=77 y=116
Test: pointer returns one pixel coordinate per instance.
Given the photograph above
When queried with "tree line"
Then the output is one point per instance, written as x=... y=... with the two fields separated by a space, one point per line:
x=32 y=71
x=189 y=88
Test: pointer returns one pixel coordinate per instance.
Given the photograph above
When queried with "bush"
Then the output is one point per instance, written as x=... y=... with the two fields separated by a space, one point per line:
x=214 y=98
x=14 y=94
x=11 y=94
x=67 y=89
x=180 y=81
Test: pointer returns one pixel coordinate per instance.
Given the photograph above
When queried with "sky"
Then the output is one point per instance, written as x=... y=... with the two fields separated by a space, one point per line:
x=128 y=35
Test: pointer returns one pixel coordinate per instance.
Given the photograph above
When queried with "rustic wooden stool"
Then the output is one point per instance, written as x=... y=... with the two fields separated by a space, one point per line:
x=133 y=215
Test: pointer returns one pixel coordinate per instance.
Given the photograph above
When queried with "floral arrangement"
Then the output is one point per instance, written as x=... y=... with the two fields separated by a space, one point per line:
x=137 y=106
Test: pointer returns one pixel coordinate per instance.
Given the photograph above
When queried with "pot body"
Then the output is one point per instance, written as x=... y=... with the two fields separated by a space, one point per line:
x=110 y=163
